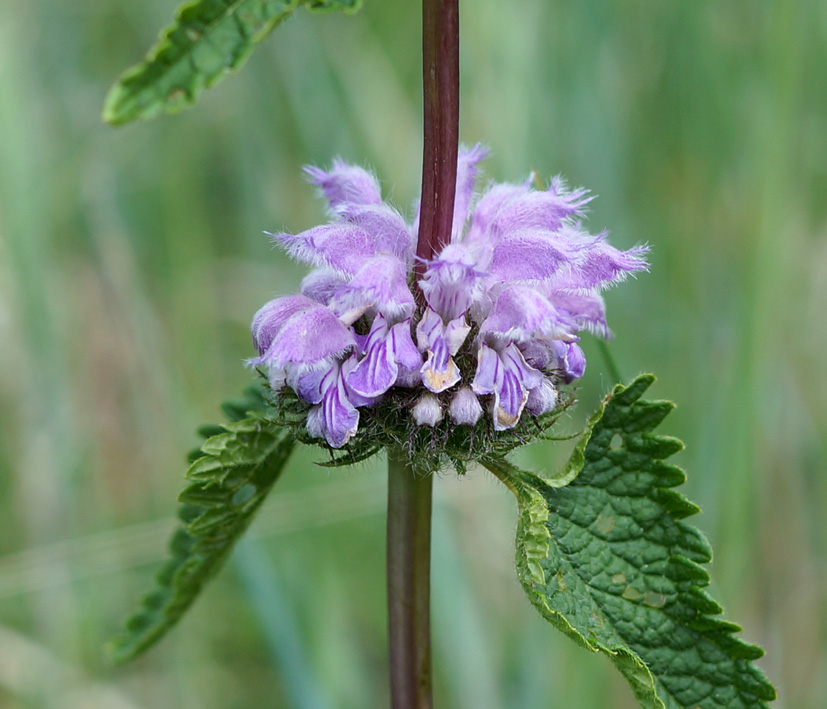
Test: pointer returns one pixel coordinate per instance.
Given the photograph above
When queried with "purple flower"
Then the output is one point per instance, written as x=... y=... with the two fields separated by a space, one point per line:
x=298 y=333
x=334 y=417
x=346 y=185
x=441 y=341
x=520 y=272
x=452 y=282
x=521 y=313
x=381 y=283
x=385 y=349
x=528 y=275
x=505 y=374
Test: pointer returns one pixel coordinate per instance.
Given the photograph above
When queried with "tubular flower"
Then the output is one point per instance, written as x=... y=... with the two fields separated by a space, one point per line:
x=520 y=273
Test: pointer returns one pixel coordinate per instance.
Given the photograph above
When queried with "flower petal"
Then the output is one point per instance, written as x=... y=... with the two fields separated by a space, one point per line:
x=539 y=210
x=377 y=371
x=427 y=328
x=341 y=417
x=335 y=418
x=602 y=265
x=344 y=247
x=538 y=352
x=276 y=378
x=440 y=341
x=530 y=255
x=439 y=372
x=321 y=284
x=381 y=283
x=409 y=377
x=487 y=208
x=345 y=185
x=514 y=361
x=521 y=313
x=272 y=316
x=509 y=401
x=586 y=308
x=467 y=171
x=511 y=396
x=455 y=333
x=452 y=281
x=311 y=385
x=308 y=338
x=385 y=225
x=353 y=396
x=489 y=374
x=570 y=360
x=404 y=350
x=509 y=378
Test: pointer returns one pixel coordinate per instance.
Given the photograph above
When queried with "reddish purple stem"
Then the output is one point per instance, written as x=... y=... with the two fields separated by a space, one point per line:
x=409 y=583
x=409 y=494
x=440 y=77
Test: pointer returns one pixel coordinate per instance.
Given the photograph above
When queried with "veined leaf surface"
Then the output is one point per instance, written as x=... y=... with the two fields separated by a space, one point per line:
x=230 y=476
x=608 y=560
x=207 y=40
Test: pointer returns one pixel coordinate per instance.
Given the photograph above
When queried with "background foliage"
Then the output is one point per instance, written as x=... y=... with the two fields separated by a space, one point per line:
x=132 y=260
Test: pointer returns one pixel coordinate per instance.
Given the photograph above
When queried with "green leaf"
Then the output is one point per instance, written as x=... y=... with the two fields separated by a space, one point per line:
x=608 y=561
x=208 y=40
x=230 y=476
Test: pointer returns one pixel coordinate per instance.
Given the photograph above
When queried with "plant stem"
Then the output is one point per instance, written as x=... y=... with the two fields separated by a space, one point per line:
x=410 y=494
x=409 y=583
x=440 y=84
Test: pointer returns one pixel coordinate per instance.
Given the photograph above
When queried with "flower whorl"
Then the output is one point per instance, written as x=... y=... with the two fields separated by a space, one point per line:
x=519 y=273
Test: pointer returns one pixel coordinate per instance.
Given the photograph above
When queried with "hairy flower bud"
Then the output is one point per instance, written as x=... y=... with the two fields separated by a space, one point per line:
x=465 y=408
x=542 y=399
x=427 y=411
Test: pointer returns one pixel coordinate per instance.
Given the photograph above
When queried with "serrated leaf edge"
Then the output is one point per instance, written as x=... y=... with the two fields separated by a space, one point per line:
x=190 y=545
x=534 y=513
x=531 y=548
x=114 y=111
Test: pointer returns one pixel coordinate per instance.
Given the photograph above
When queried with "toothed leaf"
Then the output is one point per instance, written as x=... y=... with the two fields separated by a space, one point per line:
x=608 y=560
x=230 y=476
x=208 y=40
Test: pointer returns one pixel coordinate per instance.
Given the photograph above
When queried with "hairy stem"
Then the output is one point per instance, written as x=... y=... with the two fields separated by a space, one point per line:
x=409 y=583
x=440 y=79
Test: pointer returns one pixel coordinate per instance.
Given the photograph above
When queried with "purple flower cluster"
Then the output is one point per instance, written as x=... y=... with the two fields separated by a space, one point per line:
x=519 y=267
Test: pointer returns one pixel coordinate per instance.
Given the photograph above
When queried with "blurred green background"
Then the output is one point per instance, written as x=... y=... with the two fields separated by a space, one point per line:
x=132 y=260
